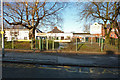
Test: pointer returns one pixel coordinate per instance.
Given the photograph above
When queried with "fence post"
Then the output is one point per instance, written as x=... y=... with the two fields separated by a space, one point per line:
x=53 y=44
x=40 y=43
x=46 y=44
x=36 y=43
x=101 y=44
x=76 y=44
x=99 y=40
x=12 y=44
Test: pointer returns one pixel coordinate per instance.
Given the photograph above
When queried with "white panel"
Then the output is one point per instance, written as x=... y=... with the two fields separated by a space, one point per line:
x=95 y=28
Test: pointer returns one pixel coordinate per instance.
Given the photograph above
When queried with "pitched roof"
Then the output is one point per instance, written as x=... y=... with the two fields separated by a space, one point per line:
x=56 y=30
x=38 y=31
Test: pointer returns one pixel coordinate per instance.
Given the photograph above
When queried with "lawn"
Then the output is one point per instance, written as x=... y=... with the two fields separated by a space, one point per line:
x=27 y=44
x=88 y=47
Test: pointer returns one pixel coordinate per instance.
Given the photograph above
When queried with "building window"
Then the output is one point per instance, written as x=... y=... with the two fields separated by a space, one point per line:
x=57 y=38
x=62 y=38
x=68 y=37
x=25 y=38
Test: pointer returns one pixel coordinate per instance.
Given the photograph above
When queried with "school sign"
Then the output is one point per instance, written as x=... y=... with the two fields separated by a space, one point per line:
x=95 y=28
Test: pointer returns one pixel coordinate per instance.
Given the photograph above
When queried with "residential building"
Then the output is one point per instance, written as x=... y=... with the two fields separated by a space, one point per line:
x=59 y=35
x=16 y=34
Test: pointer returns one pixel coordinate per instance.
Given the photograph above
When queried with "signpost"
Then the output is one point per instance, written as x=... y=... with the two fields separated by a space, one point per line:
x=97 y=29
x=2 y=32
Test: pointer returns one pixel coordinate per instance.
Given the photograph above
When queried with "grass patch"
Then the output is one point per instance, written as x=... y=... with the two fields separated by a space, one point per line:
x=88 y=47
x=27 y=44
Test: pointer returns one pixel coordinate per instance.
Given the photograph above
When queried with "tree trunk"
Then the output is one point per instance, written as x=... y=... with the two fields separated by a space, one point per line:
x=33 y=38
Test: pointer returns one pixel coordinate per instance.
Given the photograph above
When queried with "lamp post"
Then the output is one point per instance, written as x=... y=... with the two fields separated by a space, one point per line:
x=2 y=31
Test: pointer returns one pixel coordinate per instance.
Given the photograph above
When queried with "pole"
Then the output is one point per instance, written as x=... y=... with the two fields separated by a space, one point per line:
x=91 y=39
x=53 y=45
x=84 y=39
x=76 y=44
x=46 y=44
x=36 y=43
x=12 y=43
x=40 y=43
x=2 y=32
x=99 y=40
x=101 y=44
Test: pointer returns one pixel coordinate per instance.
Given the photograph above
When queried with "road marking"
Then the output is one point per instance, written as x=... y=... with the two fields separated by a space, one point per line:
x=67 y=68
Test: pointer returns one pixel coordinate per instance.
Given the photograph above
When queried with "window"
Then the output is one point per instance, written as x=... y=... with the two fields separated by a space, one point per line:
x=25 y=38
x=62 y=38
x=68 y=37
x=57 y=38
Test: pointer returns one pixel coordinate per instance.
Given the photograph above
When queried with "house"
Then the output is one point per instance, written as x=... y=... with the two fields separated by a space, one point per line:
x=112 y=33
x=59 y=35
x=84 y=37
x=16 y=34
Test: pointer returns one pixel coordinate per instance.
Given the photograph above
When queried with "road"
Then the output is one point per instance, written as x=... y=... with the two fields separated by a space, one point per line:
x=57 y=58
x=18 y=70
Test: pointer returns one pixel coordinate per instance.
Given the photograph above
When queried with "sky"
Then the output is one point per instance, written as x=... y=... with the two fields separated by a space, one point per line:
x=71 y=23
x=70 y=20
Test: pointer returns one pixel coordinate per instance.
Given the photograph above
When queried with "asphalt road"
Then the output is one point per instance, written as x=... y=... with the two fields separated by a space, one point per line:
x=15 y=70
x=78 y=59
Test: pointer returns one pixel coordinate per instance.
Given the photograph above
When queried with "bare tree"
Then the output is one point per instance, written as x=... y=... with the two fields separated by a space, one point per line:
x=86 y=28
x=105 y=11
x=30 y=14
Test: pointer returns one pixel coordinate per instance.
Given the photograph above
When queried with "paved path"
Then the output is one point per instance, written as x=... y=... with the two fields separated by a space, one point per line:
x=86 y=60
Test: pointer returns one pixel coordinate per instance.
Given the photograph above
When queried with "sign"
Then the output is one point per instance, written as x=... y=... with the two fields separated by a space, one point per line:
x=95 y=28
x=41 y=34
x=2 y=32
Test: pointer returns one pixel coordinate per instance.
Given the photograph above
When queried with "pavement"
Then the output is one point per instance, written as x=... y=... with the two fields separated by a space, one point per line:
x=63 y=59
